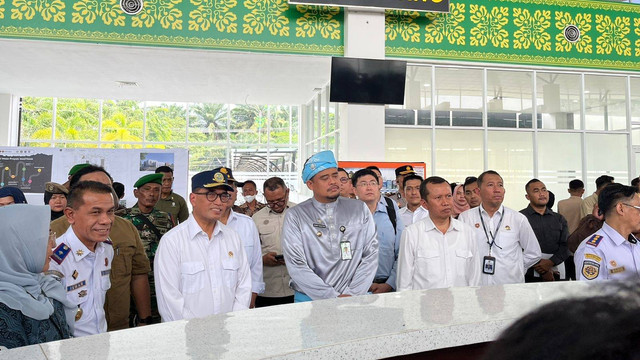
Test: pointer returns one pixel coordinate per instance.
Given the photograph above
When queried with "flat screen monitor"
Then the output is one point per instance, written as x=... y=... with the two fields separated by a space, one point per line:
x=367 y=81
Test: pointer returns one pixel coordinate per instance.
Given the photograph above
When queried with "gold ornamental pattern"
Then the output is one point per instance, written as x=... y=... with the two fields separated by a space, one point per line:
x=213 y=12
x=266 y=14
x=318 y=19
x=402 y=23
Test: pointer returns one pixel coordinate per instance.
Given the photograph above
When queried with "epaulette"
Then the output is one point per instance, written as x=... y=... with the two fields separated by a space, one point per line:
x=108 y=241
x=594 y=240
x=60 y=253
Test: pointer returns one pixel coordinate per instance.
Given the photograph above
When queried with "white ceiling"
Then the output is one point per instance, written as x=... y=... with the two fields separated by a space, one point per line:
x=63 y=69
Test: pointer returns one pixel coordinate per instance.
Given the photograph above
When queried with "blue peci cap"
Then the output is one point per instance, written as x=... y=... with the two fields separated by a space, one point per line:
x=210 y=180
x=318 y=162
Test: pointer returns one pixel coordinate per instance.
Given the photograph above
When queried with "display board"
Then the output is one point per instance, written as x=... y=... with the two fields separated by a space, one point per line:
x=29 y=168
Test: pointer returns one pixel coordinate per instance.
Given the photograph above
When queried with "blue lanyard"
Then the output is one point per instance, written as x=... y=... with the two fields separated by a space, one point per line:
x=491 y=241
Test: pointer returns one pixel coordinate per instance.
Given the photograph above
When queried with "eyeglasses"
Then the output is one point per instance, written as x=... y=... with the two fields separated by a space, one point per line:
x=633 y=206
x=277 y=202
x=212 y=196
x=365 y=184
x=344 y=180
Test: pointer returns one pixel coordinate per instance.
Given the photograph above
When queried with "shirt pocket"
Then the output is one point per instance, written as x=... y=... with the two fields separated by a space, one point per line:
x=428 y=255
x=121 y=264
x=230 y=272
x=462 y=260
x=105 y=280
x=193 y=277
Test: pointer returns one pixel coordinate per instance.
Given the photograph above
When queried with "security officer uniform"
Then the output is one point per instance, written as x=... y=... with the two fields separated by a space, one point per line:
x=403 y=170
x=85 y=276
x=606 y=255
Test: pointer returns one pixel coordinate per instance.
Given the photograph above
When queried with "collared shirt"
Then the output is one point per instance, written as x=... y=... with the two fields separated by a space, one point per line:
x=430 y=259
x=129 y=259
x=570 y=209
x=311 y=237
x=246 y=210
x=606 y=255
x=248 y=232
x=551 y=231
x=276 y=278
x=86 y=279
x=175 y=205
x=516 y=248
x=409 y=217
x=197 y=276
x=586 y=207
x=388 y=242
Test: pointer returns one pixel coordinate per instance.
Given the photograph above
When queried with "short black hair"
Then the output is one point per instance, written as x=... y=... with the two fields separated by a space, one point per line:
x=76 y=195
x=273 y=183
x=469 y=180
x=119 y=189
x=373 y=167
x=603 y=181
x=343 y=170
x=363 y=172
x=430 y=180
x=488 y=172
x=612 y=195
x=576 y=184
x=411 y=177
x=552 y=200
x=249 y=182
x=87 y=170
x=164 y=169
x=635 y=182
x=534 y=180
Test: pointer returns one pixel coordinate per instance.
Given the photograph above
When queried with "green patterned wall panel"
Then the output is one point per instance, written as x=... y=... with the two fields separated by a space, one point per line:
x=522 y=32
x=249 y=25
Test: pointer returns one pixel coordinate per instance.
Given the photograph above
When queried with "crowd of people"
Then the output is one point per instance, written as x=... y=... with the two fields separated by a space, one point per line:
x=86 y=265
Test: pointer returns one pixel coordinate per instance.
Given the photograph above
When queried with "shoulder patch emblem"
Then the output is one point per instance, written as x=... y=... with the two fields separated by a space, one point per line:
x=60 y=253
x=590 y=269
x=594 y=240
x=593 y=257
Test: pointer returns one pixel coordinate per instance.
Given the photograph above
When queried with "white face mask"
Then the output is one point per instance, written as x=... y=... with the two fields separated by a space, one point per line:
x=249 y=198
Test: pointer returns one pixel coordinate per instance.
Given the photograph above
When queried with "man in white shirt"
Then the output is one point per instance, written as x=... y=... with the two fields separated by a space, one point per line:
x=82 y=258
x=439 y=251
x=414 y=211
x=505 y=239
x=248 y=232
x=200 y=266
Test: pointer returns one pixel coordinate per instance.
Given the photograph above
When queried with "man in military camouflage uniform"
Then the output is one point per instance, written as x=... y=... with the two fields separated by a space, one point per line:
x=151 y=225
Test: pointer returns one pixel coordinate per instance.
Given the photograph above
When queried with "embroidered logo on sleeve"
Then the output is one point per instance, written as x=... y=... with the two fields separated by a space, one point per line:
x=594 y=240
x=590 y=269
x=593 y=257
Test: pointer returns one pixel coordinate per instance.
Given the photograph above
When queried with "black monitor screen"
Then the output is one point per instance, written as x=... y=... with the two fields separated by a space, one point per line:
x=367 y=81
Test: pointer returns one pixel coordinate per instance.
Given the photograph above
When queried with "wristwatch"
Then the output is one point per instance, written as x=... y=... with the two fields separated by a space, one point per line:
x=148 y=320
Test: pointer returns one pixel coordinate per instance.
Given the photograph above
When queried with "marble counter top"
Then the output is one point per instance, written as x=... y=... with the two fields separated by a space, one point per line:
x=371 y=326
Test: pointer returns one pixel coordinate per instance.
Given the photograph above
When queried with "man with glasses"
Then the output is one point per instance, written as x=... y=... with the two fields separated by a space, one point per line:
x=171 y=202
x=329 y=242
x=613 y=252
x=200 y=267
x=269 y=221
x=248 y=232
x=346 y=189
x=365 y=182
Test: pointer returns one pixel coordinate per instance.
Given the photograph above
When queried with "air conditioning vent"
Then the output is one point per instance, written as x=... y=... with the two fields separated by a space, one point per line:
x=131 y=7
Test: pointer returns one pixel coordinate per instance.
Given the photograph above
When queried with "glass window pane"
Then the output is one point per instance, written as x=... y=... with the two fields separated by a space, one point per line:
x=605 y=102
x=511 y=155
x=36 y=119
x=459 y=154
x=408 y=145
x=635 y=99
x=122 y=122
x=557 y=171
x=166 y=122
x=509 y=99
x=206 y=157
x=417 y=93
x=558 y=101
x=249 y=124
x=612 y=162
x=208 y=122
x=282 y=125
x=458 y=97
x=79 y=119
x=635 y=135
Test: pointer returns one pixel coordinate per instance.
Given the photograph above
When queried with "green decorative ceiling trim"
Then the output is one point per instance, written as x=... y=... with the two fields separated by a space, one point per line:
x=244 y=25
x=529 y=32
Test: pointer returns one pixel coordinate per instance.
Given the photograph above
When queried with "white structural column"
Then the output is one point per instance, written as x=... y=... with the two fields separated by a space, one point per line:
x=9 y=105
x=362 y=126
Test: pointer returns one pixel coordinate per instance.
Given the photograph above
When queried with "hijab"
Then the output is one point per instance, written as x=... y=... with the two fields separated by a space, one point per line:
x=459 y=206
x=17 y=194
x=24 y=235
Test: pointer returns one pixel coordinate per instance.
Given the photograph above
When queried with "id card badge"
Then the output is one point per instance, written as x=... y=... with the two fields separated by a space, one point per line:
x=489 y=265
x=345 y=250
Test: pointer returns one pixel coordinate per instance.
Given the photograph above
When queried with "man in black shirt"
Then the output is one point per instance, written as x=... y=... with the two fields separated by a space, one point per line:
x=551 y=230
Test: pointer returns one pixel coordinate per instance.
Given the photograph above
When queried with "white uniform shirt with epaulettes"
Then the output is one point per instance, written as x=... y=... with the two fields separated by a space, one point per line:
x=606 y=255
x=85 y=276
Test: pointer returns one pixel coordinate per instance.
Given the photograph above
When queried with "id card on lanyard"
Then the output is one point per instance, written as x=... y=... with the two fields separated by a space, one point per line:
x=489 y=262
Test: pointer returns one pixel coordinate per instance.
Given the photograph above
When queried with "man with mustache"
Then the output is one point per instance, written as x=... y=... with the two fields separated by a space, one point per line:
x=329 y=242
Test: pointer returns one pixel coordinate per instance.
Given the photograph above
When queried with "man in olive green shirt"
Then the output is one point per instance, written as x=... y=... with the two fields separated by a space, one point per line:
x=171 y=202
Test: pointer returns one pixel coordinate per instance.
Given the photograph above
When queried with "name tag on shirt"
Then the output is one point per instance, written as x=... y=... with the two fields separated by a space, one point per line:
x=345 y=250
x=489 y=265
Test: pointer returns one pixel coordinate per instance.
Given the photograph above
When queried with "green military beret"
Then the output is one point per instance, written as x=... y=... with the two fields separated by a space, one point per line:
x=77 y=168
x=151 y=178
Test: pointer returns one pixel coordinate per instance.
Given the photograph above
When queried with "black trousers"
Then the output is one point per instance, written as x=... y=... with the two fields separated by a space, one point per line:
x=262 y=301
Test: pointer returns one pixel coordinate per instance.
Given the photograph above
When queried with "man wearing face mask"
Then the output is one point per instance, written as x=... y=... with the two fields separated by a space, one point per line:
x=251 y=205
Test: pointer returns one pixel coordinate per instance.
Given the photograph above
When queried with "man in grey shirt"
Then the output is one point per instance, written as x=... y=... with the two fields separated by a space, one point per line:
x=329 y=242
